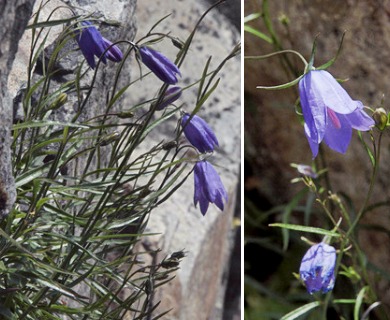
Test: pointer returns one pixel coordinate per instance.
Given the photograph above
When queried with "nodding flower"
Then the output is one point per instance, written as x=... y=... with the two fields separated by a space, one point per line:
x=92 y=43
x=208 y=187
x=198 y=133
x=329 y=112
x=159 y=64
x=317 y=268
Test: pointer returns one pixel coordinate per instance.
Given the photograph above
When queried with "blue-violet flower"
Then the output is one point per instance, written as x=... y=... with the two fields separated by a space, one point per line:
x=208 y=187
x=170 y=96
x=329 y=112
x=317 y=268
x=198 y=133
x=92 y=43
x=159 y=64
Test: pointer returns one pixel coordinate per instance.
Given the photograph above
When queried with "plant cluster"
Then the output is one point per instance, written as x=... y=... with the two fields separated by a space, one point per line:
x=87 y=182
x=328 y=115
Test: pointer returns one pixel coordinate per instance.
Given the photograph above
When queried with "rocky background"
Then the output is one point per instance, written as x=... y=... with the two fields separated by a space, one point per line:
x=208 y=284
x=274 y=138
x=13 y=18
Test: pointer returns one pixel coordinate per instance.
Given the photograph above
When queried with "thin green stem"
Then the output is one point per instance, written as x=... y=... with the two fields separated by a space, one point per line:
x=374 y=174
x=273 y=54
x=350 y=237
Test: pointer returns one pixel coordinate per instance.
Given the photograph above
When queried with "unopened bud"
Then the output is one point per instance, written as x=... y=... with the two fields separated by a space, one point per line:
x=125 y=114
x=170 y=263
x=106 y=140
x=381 y=118
x=170 y=96
x=60 y=101
x=178 y=255
x=145 y=192
x=283 y=18
x=178 y=43
x=169 y=145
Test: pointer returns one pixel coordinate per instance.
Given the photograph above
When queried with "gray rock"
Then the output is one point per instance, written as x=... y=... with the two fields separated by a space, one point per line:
x=13 y=20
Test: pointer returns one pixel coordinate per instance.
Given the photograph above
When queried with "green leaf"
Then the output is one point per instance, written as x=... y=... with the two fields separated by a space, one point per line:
x=301 y=310
x=344 y=301
x=257 y=33
x=251 y=17
x=305 y=229
x=56 y=287
x=206 y=96
x=51 y=23
x=30 y=175
x=358 y=304
x=158 y=121
x=45 y=123
x=203 y=79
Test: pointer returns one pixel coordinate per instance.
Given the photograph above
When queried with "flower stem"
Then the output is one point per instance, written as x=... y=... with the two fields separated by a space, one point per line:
x=371 y=188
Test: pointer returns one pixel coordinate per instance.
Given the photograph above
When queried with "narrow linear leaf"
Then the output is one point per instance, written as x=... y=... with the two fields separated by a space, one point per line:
x=28 y=176
x=55 y=287
x=358 y=304
x=257 y=33
x=205 y=97
x=203 y=79
x=305 y=229
x=251 y=17
x=38 y=124
x=344 y=301
x=300 y=311
x=51 y=23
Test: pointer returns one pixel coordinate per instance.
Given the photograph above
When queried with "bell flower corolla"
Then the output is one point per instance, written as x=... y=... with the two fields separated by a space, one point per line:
x=317 y=268
x=159 y=64
x=208 y=187
x=170 y=96
x=92 y=43
x=329 y=112
x=198 y=133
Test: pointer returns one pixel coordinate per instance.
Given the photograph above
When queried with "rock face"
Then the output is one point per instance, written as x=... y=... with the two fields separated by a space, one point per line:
x=13 y=18
x=275 y=138
x=199 y=288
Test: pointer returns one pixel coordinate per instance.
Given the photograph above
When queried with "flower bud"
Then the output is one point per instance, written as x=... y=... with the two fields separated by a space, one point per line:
x=106 y=140
x=178 y=43
x=169 y=145
x=381 y=118
x=178 y=255
x=170 y=96
x=170 y=263
x=60 y=101
x=307 y=171
x=125 y=114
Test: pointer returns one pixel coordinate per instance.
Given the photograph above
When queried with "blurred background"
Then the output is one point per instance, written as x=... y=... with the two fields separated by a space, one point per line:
x=274 y=138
